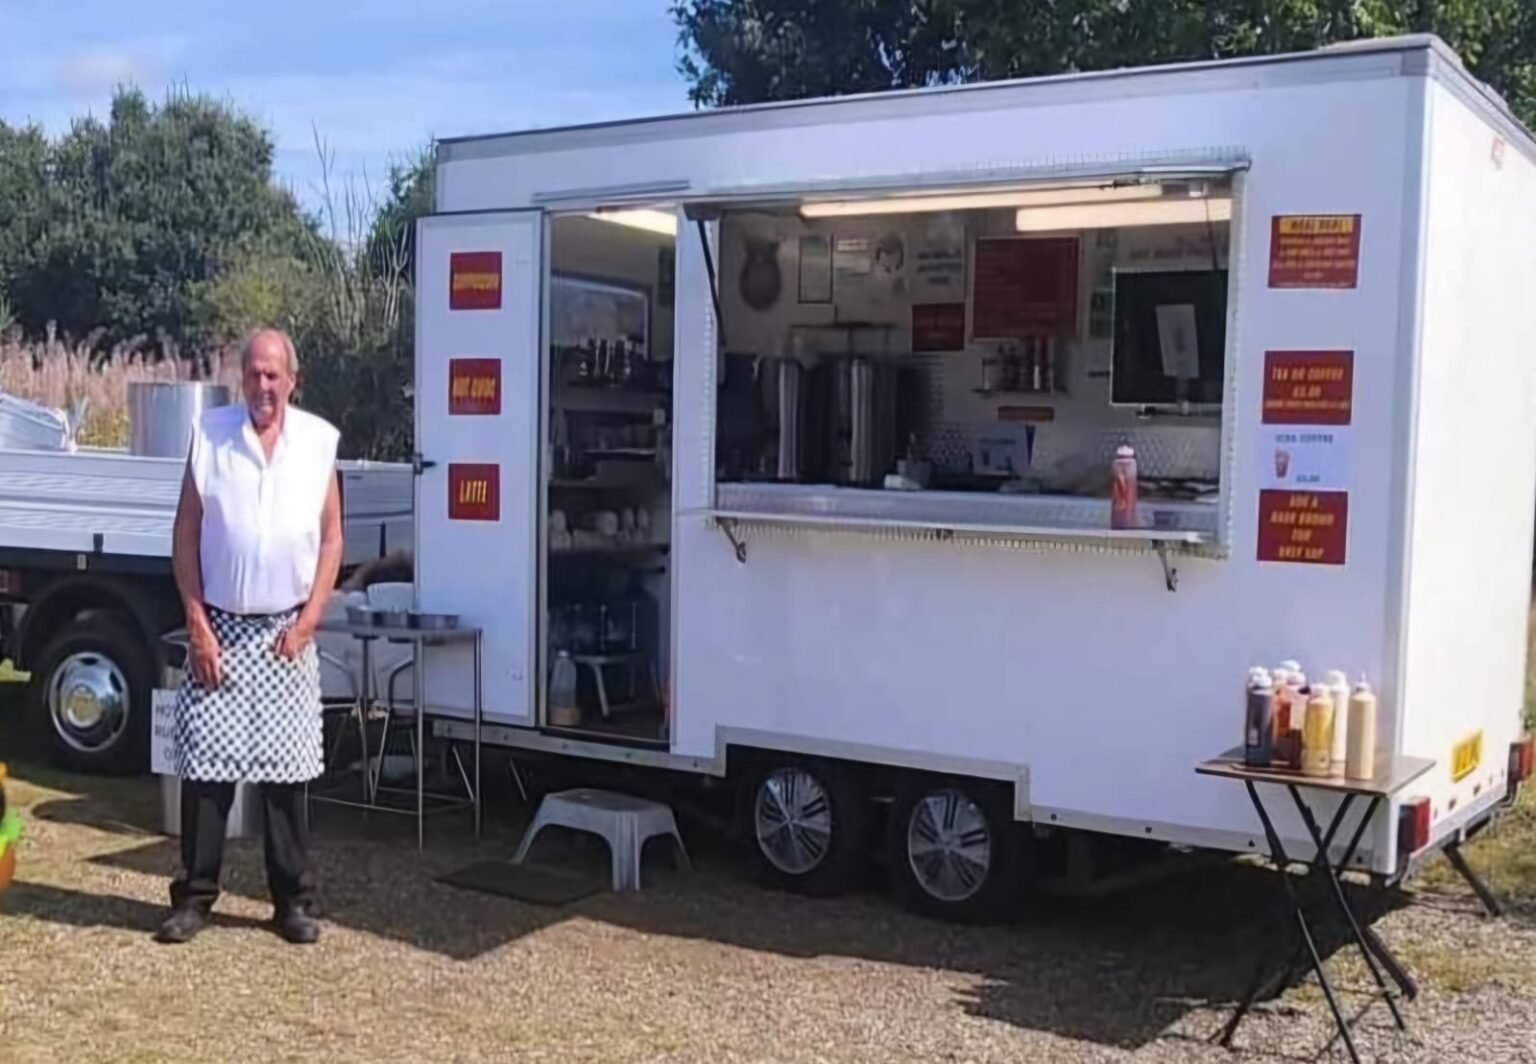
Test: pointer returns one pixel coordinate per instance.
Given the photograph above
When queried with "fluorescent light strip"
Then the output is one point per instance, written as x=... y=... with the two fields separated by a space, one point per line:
x=652 y=221
x=1123 y=215
x=979 y=201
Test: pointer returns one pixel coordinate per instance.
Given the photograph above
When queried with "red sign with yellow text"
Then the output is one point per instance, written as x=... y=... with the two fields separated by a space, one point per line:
x=474 y=280
x=474 y=386
x=1305 y=527
x=1314 y=251
x=474 y=492
x=1309 y=387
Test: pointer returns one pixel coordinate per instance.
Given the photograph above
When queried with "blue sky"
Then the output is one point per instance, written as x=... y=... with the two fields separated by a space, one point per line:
x=374 y=77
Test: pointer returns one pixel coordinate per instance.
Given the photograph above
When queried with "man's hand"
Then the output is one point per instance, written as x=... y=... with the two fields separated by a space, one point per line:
x=203 y=654
x=293 y=642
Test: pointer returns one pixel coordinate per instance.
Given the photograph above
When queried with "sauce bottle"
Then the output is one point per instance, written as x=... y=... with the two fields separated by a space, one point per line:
x=1281 y=720
x=1360 y=751
x=1122 y=504
x=1317 y=733
x=1259 y=738
x=1338 y=687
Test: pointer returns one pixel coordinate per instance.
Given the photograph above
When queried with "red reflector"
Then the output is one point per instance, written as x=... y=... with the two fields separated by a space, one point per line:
x=1413 y=826
x=1520 y=760
x=10 y=582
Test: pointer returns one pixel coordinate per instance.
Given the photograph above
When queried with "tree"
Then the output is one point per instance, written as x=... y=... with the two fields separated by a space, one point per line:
x=118 y=226
x=749 y=51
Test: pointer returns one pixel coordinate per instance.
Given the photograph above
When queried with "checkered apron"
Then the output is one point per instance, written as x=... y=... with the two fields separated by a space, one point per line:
x=262 y=723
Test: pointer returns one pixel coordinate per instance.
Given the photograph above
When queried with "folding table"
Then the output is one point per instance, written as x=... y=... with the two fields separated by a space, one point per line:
x=1392 y=776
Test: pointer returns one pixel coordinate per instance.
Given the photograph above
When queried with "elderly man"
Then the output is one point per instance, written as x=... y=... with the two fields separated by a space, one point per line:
x=258 y=544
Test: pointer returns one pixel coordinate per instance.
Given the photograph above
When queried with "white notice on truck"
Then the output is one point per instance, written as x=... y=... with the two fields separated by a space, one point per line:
x=1305 y=459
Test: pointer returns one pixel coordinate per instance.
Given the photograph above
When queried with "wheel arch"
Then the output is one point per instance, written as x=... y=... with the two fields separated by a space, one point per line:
x=149 y=612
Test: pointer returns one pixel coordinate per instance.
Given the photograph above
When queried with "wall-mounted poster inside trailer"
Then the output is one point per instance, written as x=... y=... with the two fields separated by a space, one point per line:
x=1308 y=527
x=938 y=327
x=1314 y=251
x=1024 y=286
x=474 y=386
x=474 y=491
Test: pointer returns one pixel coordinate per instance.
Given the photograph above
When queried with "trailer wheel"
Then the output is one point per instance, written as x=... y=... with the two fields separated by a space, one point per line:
x=955 y=852
x=807 y=823
x=91 y=691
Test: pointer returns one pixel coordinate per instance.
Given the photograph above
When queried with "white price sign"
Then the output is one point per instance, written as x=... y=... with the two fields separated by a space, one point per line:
x=162 y=743
x=1305 y=459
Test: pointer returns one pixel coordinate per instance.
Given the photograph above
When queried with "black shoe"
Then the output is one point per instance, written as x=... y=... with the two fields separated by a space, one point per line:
x=298 y=927
x=182 y=925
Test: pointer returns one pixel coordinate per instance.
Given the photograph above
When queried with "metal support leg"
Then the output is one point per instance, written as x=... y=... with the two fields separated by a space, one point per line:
x=421 y=749
x=1491 y=904
x=479 y=727
x=1337 y=889
x=1282 y=862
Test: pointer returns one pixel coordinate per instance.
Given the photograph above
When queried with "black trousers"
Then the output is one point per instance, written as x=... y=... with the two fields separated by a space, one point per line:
x=204 y=817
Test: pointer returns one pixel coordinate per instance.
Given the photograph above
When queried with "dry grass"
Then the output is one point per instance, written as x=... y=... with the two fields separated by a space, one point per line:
x=60 y=375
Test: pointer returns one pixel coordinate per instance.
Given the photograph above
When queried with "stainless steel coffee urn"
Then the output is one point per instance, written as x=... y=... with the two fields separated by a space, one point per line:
x=861 y=413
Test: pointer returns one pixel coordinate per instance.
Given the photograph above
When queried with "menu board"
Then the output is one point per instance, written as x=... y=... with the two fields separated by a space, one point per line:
x=1024 y=286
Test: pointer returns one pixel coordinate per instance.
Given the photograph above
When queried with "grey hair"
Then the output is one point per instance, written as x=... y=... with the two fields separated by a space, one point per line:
x=288 y=349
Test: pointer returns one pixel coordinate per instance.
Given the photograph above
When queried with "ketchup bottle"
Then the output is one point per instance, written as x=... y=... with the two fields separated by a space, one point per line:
x=1122 y=505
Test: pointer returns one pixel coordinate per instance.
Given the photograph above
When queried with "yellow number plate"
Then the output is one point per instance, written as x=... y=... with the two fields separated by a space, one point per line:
x=1466 y=756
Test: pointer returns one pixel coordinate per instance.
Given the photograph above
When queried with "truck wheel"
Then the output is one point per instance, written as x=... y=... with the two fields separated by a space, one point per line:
x=955 y=852
x=91 y=693
x=806 y=825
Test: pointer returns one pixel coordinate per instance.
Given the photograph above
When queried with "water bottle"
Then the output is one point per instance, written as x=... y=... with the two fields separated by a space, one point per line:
x=563 y=710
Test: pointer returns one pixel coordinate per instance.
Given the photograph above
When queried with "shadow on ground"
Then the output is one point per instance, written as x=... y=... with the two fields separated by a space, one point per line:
x=1118 y=971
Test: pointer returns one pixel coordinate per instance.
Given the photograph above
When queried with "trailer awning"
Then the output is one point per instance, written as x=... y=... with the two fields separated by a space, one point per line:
x=1105 y=180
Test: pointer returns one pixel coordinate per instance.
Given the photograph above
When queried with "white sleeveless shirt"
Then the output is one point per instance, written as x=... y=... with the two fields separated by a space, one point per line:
x=261 y=518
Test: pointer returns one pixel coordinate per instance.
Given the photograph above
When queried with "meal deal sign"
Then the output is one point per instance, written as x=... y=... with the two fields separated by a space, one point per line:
x=1310 y=527
x=474 y=280
x=1314 y=251
x=474 y=492
x=474 y=386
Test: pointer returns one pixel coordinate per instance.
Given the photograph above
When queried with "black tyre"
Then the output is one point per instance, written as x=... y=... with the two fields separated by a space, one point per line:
x=90 y=692
x=806 y=825
x=955 y=852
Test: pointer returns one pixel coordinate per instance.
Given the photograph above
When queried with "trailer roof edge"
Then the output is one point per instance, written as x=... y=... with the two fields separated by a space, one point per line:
x=1421 y=55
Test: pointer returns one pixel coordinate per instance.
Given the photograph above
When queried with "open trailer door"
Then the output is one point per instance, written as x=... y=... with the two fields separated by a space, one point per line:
x=479 y=321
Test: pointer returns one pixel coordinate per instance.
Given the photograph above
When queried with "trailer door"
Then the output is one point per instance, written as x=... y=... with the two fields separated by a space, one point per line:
x=479 y=327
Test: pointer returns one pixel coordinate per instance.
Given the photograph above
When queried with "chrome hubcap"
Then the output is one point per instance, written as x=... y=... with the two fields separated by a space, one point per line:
x=793 y=817
x=88 y=701
x=949 y=845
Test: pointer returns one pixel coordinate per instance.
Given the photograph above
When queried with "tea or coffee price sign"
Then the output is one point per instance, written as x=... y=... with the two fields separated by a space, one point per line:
x=474 y=492
x=474 y=386
x=1309 y=387
x=1306 y=527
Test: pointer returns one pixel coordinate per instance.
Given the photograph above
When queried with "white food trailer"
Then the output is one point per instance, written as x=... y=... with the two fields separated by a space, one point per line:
x=791 y=426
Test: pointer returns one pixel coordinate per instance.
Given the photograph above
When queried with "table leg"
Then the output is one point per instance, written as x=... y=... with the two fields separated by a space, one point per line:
x=1337 y=889
x=1282 y=861
x=479 y=723
x=364 y=706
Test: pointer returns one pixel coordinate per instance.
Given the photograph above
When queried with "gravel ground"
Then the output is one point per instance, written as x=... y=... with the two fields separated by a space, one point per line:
x=696 y=967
